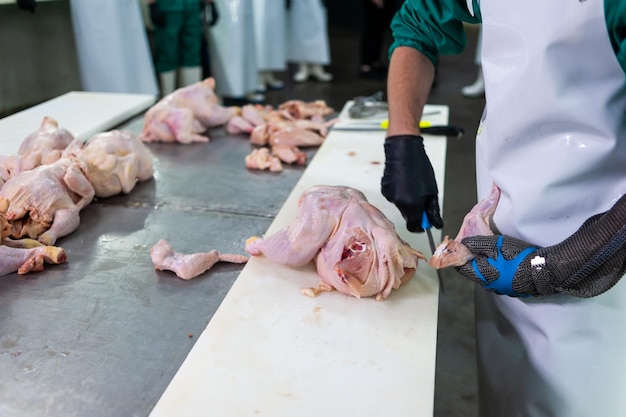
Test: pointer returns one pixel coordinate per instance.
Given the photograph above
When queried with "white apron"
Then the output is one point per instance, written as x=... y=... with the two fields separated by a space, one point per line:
x=549 y=138
x=232 y=49
x=307 y=30
x=270 y=34
x=112 y=47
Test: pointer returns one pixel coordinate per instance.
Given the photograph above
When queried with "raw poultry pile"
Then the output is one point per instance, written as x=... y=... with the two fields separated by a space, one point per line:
x=54 y=175
x=186 y=115
x=51 y=179
x=354 y=246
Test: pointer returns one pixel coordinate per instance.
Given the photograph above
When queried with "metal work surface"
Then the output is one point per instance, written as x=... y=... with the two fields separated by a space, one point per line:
x=104 y=333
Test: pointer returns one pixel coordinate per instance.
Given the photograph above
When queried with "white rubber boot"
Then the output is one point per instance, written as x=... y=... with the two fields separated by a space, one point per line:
x=189 y=75
x=303 y=73
x=271 y=82
x=317 y=71
x=167 y=81
x=477 y=89
x=261 y=83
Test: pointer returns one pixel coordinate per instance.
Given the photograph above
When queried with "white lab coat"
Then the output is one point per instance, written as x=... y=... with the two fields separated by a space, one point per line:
x=112 y=47
x=549 y=138
x=307 y=29
x=232 y=48
x=270 y=34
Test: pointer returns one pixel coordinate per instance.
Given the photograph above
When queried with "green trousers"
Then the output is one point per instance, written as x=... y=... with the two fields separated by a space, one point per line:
x=178 y=43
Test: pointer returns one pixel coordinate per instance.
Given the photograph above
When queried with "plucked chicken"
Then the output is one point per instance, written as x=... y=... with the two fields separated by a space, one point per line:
x=355 y=247
x=115 y=161
x=186 y=114
x=188 y=266
x=44 y=203
x=42 y=147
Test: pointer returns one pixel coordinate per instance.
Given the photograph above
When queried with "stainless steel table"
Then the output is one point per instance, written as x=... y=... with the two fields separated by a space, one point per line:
x=103 y=334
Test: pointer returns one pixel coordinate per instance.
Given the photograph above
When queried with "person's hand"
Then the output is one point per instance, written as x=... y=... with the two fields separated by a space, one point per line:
x=379 y=3
x=156 y=15
x=586 y=264
x=409 y=181
x=29 y=5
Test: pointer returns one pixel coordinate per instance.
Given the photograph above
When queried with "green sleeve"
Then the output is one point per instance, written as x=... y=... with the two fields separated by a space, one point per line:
x=615 y=15
x=434 y=27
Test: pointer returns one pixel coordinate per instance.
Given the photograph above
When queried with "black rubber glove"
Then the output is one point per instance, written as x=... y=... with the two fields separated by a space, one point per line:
x=29 y=5
x=586 y=264
x=409 y=181
x=156 y=15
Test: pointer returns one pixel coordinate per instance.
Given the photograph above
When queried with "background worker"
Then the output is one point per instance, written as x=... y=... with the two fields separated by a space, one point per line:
x=177 y=40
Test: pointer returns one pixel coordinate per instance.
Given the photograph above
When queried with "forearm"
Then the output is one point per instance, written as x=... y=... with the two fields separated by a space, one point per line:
x=411 y=75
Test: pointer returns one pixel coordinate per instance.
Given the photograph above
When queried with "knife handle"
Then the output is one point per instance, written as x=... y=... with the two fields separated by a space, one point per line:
x=447 y=130
x=425 y=223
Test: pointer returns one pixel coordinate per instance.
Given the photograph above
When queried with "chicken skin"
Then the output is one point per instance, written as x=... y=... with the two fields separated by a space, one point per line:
x=355 y=247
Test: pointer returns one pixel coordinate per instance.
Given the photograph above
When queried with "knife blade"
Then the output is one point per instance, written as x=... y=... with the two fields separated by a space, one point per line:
x=427 y=226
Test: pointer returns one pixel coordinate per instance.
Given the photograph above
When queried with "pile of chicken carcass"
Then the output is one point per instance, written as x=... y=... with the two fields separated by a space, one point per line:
x=54 y=175
x=51 y=179
x=186 y=115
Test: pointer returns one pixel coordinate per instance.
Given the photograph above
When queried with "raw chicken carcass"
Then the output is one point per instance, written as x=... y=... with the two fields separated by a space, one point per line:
x=30 y=257
x=356 y=248
x=252 y=115
x=302 y=133
x=188 y=266
x=307 y=110
x=42 y=147
x=115 y=161
x=476 y=223
x=44 y=203
x=184 y=114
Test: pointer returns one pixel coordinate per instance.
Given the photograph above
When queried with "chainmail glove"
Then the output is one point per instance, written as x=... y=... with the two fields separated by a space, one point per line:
x=586 y=264
x=409 y=181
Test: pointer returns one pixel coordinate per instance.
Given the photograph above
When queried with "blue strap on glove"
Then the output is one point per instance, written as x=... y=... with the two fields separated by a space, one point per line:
x=503 y=285
x=587 y=263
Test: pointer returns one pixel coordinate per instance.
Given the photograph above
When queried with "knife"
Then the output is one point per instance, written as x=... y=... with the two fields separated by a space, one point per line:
x=427 y=226
x=425 y=127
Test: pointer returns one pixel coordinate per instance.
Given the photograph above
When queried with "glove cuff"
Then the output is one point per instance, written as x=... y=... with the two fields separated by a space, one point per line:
x=404 y=139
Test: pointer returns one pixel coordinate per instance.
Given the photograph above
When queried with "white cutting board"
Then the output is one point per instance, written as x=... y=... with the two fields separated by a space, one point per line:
x=82 y=113
x=270 y=351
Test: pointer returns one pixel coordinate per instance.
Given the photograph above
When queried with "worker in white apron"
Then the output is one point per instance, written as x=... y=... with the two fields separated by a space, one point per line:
x=270 y=36
x=307 y=41
x=550 y=304
x=233 y=51
x=112 y=47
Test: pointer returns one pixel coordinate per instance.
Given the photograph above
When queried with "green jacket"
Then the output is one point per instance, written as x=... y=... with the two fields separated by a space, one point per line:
x=435 y=27
x=179 y=5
